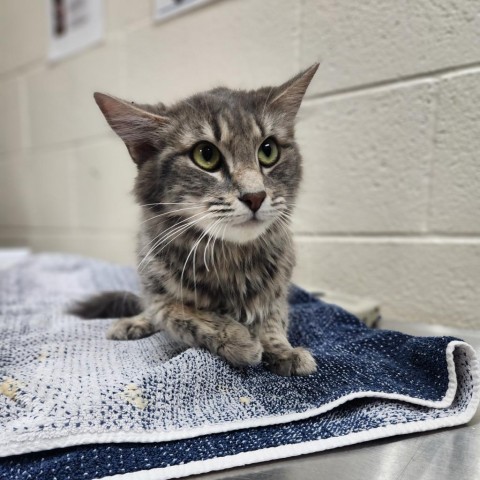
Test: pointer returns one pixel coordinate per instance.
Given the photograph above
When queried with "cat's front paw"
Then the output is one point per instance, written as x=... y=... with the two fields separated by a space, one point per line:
x=297 y=361
x=239 y=347
x=131 y=328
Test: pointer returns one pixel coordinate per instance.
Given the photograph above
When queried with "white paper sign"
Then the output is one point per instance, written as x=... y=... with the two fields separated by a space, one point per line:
x=168 y=8
x=74 y=26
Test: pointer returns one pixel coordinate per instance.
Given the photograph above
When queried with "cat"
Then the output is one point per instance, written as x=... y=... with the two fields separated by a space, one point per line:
x=217 y=178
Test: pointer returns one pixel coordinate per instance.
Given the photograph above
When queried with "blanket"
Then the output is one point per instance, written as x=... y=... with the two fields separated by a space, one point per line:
x=76 y=405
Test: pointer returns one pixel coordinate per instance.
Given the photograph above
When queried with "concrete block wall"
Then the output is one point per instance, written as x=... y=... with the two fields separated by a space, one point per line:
x=390 y=132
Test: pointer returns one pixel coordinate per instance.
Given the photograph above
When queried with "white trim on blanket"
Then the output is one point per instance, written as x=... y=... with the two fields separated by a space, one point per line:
x=292 y=450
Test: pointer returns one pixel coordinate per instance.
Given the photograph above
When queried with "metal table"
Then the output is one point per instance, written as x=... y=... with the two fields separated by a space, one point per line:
x=440 y=454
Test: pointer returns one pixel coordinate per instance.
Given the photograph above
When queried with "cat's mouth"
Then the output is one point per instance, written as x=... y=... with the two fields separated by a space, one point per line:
x=251 y=222
x=247 y=230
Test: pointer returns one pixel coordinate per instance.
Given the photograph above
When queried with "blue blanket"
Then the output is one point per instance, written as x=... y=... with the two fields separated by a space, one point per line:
x=75 y=405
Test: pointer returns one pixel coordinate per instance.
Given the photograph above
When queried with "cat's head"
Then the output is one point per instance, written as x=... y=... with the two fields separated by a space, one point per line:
x=224 y=160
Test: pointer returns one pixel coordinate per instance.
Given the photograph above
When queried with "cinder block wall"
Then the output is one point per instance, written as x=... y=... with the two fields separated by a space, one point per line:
x=390 y=133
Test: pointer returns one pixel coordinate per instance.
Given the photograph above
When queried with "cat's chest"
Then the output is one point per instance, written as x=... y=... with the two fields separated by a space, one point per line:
x=249 y=288
x=243 y=283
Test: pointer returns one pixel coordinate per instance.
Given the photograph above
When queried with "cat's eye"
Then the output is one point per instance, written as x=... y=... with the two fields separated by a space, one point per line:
x=206 y=156
x=268 y=152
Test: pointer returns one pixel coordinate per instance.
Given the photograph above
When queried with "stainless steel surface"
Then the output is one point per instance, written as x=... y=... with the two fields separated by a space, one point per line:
x=452 y=453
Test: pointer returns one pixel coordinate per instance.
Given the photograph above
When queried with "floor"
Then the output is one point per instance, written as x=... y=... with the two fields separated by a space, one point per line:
x=441 y=454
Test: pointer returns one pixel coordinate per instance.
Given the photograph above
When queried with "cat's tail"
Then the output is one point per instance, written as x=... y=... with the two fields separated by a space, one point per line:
x=108 y=305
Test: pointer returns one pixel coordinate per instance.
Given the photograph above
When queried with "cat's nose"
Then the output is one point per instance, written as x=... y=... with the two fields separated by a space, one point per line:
x=253 y=200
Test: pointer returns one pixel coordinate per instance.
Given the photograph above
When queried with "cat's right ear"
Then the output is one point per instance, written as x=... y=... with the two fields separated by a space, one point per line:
x=138 y=128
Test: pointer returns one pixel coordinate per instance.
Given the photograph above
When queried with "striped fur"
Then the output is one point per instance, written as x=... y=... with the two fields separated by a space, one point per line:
x=214 y=273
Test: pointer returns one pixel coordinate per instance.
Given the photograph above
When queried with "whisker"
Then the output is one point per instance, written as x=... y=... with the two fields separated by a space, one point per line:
x=184 y=229
x=285 y=227
x=205 y=251
x=286 y=215
x=228 y=209
x=166 y=203
x=169 y=212
x=213 y=250
x=223 y=241
x=194 y=261
x=266 y=102
x=210 y=235
x=186 y=261
x=186 y=220
x=180 y=229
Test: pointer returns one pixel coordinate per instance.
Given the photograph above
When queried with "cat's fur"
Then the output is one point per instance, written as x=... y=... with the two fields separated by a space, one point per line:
x=211 y=276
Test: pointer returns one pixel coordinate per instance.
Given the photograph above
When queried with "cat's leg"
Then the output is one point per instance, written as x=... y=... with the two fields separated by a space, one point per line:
x=130 y=328
x=220 y=335
x=280 y=357
x=140 y=326
x=283 y=359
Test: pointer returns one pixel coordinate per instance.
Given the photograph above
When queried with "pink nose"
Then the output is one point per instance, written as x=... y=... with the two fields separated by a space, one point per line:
x=253 y=200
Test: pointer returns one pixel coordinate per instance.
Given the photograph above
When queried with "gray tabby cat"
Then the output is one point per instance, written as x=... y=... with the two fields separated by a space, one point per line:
x=218 y=174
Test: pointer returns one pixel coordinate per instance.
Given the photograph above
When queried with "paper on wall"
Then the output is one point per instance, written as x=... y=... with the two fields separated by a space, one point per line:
x=74 y=26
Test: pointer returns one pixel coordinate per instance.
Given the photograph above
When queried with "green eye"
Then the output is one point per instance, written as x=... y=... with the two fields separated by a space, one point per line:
x=268 y=153
x=206 y=156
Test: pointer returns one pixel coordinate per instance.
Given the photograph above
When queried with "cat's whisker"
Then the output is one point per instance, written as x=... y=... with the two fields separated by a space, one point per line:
x=213 y=249
x=284 y=217
x=186 y=220
x=192 y=107
x=262 y=238
x=266 y=102
x=211 y=235
x=227 y=209
x=205 y=251
x=223 y=241
x=163 y=232
x=180 y=233
x=186 y=261
x=207 y=108
x=284 y=203
x=285 y=227
x=286 y=220
x=168 y=213
x=168 y=203
x=194 y=261
x=181 y=229
x=175 y=235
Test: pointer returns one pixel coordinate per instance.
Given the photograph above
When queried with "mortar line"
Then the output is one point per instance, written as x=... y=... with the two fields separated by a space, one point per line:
x=67 y=230
x=337 y=236
x=432 y=160
x=392 y=238
x=393 y=82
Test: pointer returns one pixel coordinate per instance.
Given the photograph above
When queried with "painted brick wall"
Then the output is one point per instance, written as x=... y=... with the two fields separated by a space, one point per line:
x=390 y=132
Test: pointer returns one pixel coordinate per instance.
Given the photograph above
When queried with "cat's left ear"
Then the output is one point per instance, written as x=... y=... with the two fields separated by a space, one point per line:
x=289 y=96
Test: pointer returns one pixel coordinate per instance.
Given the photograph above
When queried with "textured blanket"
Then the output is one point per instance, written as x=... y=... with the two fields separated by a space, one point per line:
x=155 y=407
